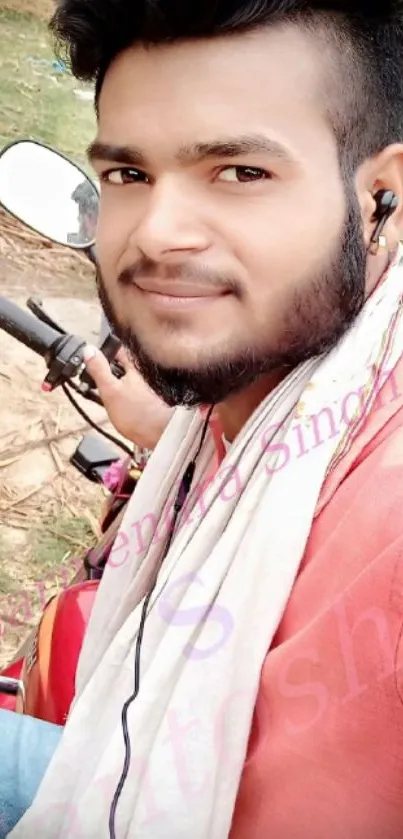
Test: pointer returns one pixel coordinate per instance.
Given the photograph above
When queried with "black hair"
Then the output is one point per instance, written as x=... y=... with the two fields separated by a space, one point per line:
x=365 y=95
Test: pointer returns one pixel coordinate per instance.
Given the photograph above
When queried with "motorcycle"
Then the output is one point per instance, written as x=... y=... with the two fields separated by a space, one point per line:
x=55 y=198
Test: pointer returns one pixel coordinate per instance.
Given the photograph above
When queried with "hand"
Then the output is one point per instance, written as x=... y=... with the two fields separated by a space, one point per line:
x=133 y=408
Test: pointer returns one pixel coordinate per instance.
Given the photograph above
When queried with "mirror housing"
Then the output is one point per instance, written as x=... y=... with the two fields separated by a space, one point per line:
x=49 y=194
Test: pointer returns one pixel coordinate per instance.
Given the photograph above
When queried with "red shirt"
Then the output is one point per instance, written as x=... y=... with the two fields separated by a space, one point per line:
x=325 y=757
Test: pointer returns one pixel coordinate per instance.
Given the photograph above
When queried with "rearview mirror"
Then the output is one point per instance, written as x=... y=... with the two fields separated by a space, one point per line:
x=49 y=193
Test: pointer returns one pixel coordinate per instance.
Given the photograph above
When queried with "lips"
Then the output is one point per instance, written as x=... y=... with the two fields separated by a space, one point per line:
x=167 y=288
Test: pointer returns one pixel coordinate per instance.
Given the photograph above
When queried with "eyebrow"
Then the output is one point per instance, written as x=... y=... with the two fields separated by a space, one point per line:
x=226 y=147
x=128 y=155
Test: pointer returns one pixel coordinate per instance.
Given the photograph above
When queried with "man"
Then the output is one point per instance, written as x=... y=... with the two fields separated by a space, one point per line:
x=86 y=198
x=241 y=674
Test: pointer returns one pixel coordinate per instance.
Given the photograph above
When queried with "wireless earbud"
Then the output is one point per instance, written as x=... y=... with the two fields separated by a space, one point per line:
x=386 y=204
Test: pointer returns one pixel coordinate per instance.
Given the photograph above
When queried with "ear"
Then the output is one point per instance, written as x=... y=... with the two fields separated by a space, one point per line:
x=385 y=171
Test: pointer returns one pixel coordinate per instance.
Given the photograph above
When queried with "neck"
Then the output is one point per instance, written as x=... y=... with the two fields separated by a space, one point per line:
x=376 y=269
x=236 y=410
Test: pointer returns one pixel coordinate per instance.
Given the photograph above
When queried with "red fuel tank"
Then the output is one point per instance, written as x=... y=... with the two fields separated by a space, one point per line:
x=49 y=667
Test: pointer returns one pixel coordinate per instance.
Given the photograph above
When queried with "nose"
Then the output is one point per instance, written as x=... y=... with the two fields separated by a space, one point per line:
x=172 y=223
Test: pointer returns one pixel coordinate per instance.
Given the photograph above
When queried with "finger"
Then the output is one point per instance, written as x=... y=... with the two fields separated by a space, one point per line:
x=98 y=367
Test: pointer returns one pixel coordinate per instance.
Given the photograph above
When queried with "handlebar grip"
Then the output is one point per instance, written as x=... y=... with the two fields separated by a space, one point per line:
x=37 y=336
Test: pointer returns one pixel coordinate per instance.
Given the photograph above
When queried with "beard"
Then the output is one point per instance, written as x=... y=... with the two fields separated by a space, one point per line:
x=317 y=317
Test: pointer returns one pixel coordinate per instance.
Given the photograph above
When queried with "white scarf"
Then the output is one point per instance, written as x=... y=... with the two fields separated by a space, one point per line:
x=220 y=596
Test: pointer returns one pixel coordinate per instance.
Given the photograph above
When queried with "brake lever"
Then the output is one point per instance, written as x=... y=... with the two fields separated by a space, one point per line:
x=117 y=369
x=35 y=305
x=110 y=346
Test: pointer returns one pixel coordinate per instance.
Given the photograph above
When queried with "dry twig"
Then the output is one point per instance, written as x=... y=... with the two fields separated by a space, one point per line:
x=29 y=494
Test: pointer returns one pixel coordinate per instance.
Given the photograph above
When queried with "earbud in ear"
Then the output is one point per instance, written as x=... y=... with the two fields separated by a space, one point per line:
x=386 y=204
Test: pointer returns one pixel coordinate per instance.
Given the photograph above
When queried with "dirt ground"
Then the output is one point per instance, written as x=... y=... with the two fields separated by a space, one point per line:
x=48 y=512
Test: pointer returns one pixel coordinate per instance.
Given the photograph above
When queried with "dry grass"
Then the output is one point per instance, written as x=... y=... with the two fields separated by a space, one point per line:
x=48 y=512
x=28 y=250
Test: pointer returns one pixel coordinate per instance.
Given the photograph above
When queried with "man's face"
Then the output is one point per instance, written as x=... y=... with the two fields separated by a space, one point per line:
x=225 y=242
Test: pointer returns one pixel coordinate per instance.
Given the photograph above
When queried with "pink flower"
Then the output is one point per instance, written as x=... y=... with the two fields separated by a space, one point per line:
x=114 y=474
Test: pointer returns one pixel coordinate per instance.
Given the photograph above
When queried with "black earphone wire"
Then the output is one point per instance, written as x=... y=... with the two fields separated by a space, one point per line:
x=387 y=203
x=182 y=494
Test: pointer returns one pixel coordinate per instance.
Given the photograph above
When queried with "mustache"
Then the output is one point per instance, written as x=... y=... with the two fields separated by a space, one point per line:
x=148 y=269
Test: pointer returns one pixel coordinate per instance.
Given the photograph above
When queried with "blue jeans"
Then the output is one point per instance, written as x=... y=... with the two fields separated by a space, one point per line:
x=26 y=747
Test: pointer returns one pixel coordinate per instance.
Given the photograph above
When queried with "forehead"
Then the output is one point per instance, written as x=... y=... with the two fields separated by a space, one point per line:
x=269 y=81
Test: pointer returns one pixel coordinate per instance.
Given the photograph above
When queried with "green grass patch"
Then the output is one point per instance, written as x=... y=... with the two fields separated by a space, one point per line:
x=8 y=584
x=31 y=574
x=53 y=538
x=37 y=97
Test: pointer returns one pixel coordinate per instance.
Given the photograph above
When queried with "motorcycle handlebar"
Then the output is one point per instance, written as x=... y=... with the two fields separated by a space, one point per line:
x=35 y=334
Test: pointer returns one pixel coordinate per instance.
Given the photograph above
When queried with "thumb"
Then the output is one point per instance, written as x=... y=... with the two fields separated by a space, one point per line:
x=98 y=367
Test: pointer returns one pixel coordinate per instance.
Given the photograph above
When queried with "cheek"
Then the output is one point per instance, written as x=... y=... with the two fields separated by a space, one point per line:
x=111 y=238
x=120 y=214
x=286 y=243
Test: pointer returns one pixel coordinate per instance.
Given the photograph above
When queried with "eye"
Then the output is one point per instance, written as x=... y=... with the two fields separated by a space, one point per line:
x=124 y=176
x=243 y=174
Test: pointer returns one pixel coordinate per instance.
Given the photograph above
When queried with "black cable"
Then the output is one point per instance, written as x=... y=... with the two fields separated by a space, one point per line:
x=92 y=397
x=182 y=494
x=93 y=424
